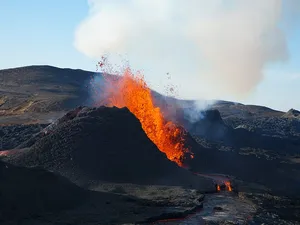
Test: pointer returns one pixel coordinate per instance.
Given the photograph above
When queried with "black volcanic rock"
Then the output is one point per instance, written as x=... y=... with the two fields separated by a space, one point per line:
x=211 y=126
x=213 y=115
x=292 y=113
x=14 y=135
x=105 y=144
x=252 y=165
x=29 y=191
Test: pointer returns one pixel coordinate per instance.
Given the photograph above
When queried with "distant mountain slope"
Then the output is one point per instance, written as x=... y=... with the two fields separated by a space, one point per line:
x=42 y=82
x=38 y=94
x=42 y=89
x=43 y=79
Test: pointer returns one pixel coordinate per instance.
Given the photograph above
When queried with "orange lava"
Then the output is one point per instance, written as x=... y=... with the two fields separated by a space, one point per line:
x=228 y=185
x=5 y=153
x=131 y=91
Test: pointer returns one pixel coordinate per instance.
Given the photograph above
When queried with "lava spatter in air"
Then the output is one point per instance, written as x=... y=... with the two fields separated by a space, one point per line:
x=131 y=91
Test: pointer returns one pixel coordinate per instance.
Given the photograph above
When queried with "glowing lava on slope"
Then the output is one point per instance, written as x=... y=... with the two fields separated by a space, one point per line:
x=131 y=91
x=228 y=185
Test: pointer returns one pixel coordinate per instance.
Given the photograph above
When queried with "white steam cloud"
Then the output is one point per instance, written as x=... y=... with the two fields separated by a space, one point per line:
x=211 y=48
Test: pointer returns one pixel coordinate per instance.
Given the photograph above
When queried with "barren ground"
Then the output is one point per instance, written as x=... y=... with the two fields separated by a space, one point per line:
x=257 y=147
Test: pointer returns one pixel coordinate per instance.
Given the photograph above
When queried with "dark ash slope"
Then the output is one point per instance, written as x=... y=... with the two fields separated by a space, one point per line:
x=105 y=144
x=30 y=191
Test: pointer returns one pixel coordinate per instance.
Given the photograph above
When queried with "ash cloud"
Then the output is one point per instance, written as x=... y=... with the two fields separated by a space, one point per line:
x=210 y=48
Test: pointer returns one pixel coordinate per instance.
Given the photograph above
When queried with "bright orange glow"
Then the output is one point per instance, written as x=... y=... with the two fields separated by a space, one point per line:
x=228 y=185
x=131 y=91
x=5 y=153
x=218 y=188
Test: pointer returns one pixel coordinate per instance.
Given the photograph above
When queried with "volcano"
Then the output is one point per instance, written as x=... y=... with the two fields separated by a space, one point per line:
x=257 y=147
x=131 y=90
x=90 y=145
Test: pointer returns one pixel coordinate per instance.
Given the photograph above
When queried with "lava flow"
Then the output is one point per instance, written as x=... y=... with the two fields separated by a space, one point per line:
x=131 y=91
x=228 y=185
x=221 y=181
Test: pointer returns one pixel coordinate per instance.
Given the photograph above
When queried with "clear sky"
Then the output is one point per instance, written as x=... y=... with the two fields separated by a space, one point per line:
x=41 y=32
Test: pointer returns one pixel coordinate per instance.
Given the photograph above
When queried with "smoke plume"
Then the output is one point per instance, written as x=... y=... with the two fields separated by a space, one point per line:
x=210 y=48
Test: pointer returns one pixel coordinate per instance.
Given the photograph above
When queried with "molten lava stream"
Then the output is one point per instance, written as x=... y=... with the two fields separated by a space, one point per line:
x=228 y=186
x=131 y=91
x=218 y=179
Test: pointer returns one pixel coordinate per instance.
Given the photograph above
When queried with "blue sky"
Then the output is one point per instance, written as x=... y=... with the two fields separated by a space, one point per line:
x=41 y=32
x=36 y=32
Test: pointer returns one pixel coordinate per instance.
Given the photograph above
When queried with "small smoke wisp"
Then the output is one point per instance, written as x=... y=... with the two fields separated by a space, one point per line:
x=211 y=48
x=197 y=109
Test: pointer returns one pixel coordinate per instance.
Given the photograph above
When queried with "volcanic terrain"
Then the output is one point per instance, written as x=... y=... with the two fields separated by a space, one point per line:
x=90 y=145
x=107 y=167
